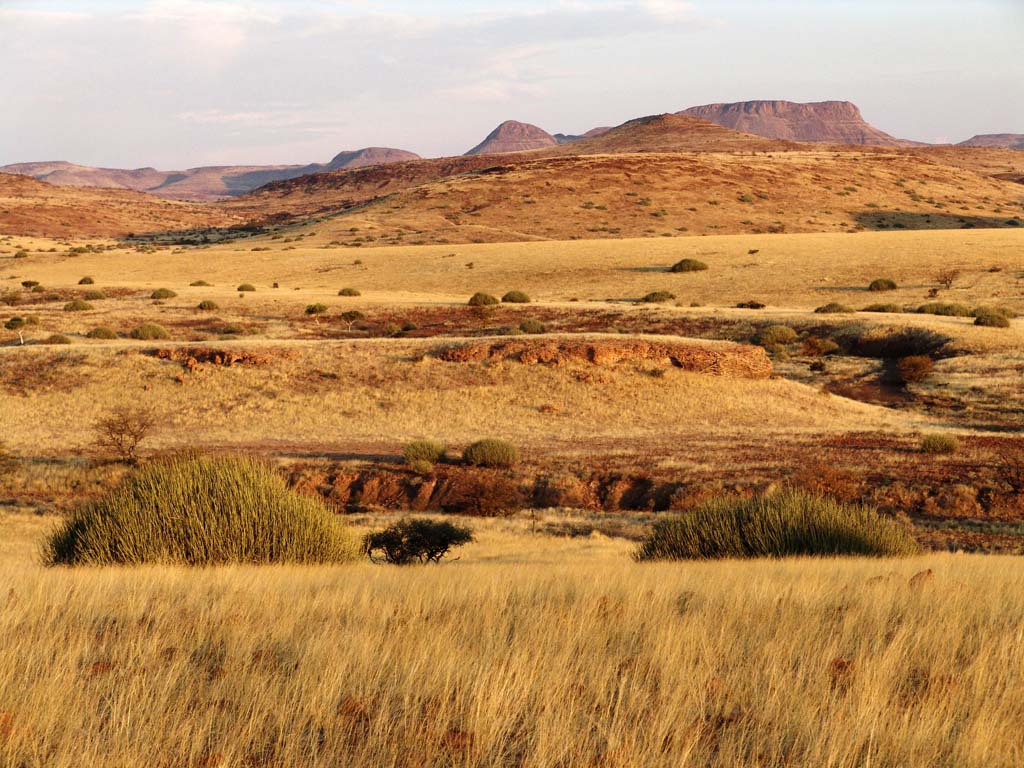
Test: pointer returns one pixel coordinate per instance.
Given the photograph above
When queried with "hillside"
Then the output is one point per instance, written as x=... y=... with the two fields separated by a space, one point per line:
x=513 y=136
x=1005 y=140
x=834 y=122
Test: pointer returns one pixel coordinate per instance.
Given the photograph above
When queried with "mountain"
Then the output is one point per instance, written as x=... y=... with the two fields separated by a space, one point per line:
x=512 y=136
x=1004 y=140
x=568 y=138
x=835 y=122
x=203 y=183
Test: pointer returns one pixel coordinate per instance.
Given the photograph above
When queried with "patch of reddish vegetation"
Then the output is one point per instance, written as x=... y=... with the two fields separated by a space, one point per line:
x=193 y=358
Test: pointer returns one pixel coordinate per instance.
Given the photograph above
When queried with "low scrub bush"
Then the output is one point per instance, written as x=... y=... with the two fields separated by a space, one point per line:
x=688 y=265
x=423 y=450
x=415 y=541
x=914 y=369
x=480 y=299
x=491 y=453
x=316 y=309
x=208 y=305
x=834 y=308
x=201 y=510
x=891 y=308
x=349 y=292
x=94 y=295
x=892 y=343
x=751 y=304
x=57 y=338
x=15 y=323
x=945 y=308
x=86 y=281
x=530 y=325
x=815 y=346
x=942 y=444
x=784 y=524
x=882 y=284
x=199 y=284
x=78 y=305
x=658 y=297
x=162 y=293
x=150 y=332
x=991 y=318
x=515 y=297
x=246 y=288
x=776 y=335
x=102 y=332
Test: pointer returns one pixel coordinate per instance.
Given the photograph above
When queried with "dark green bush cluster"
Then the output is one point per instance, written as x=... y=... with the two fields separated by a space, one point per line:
x=890 y=308
x=515 y=297
x=834 y=308
x=86 y=281
x=658 y=297
x=882 y=284
x=349 y=292
x=480 y=299
x=783 y=524
x=316 y=309
x=688 y=265
x=491 y=453
x=246 y=288
x=417 y=540
x=208 y=305
x=201 y=510
x=94 y=295
x=162 y=293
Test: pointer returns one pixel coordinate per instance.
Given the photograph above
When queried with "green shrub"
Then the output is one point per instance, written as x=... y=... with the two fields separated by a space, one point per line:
x=776 y=335
x=882 y=284
x=57 y=338
x=207 y=305
x=199 y=284
x=914 y=368
x=102 y=332
x=891 y=308
x=939 y=444
x=150 y=332
x=421 y=467
x=944 y=308
x=657 y=297
x=515 y=297
x=480 y=299
x=201 y=510
x=21 y=254
x=349 y=292
x=688 y=265
x=29 y=283
x=86 y=281
x=530 y=325
x=834 y=308
x=316 y=309
x=1004 y=311
x=491 y=453
x=416 y=541
x=991 y=318
x=14 y=323
x=246 y=288
x=78 y=306
x=788 y=523
x=751 y=304
x=423 y=450
x=162 y=293
x=94 y=295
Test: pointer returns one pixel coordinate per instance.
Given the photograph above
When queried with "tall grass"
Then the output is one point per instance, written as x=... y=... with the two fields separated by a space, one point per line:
x=201 y=510
x=792 y=522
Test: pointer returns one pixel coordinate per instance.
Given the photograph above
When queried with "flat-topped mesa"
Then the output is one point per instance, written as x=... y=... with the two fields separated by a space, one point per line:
x=835 y=122
x=513 y=136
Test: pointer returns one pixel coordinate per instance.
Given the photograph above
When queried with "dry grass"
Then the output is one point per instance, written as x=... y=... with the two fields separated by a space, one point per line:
x=529 y=651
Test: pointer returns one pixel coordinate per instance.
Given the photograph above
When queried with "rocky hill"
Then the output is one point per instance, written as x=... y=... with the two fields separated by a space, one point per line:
x=1004 y=140
x=513 y=136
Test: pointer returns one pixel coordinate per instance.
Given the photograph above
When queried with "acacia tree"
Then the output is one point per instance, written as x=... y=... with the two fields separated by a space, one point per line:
x=122 y=431
x=415 y=541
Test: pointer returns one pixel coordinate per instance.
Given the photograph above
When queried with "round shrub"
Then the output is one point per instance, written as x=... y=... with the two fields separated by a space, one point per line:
x=788 y=523
x=944 y=308
x=150 y=332
x=421 y=467
x=491 y=453
x=530 y=325
x=201 y=510
x=102 y=332
x=162 y=293
x=751 y=304
x=991 y=318
x=316 y=309
x=815 y=346
x=480 y=299
x=882 y=284
x=29 y=283
x=416 y=541
x=423 y=450
x=94 y=295
x=349 y=292
x=657 y=297
x=78 y=305
x=57 y=338
x=14 y=323
x=208 y=306
x=246 y=288
x=688 y=265
x=833 y=308
x=942 y=444
x=891 y=308
x=914 y=368
x=515 y=297
x=86 y=281
x=776 y=335
x=199 y=284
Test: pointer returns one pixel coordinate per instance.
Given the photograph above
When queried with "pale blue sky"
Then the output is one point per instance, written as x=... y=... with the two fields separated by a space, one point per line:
x=177 y=83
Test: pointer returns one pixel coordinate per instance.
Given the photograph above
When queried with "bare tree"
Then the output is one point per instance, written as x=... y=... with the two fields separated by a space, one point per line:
x=946 y=277
x=122 y=431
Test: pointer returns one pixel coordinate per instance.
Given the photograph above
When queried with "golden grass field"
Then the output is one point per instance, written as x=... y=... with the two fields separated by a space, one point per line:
x=528 y=651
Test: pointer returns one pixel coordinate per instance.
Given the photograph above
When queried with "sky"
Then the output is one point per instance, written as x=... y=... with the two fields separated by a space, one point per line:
x=181 y=83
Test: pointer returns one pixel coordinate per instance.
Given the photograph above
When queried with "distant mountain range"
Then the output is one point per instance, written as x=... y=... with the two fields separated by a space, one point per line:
x=1004 y=140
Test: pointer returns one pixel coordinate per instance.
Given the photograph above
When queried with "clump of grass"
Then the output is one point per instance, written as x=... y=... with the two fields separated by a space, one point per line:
x=94 y=296
x=423 y=450
x=891 y=308
x=162 y=293
x=941 y=444
x=491 y=453
x=658 y=297
x=816 y=346
x=78 y=305
x=199 y=284
x=531 y=325
x=246 y=288
x=776 y=336
x=208 y=305
x=914 y=368
x=882 y=284
x=480 y=299
x=834 y=308
x=944 y=308
x=57 y=338
x=86 y=281
x=349 y=292
x=515 y=297
x=991 y=318
x=688 y=265
x=150 y=332
x=102 y=332
x=316 y=309
x=784 y=524
x=750 y=304
x=201 y=510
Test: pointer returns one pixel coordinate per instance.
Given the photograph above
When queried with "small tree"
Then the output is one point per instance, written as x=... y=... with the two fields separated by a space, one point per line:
x=415 y=541
x=946 y=277
x=122 y=431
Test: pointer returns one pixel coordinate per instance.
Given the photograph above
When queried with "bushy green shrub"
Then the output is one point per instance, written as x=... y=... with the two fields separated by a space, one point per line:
x=199 y=284
x=86 y=281
x=688 y=265
x=316 y=309
x=423 y=450
x=943 y=444
x=658 y=297
x=94 y=296
x=78 y=305
x=480 y=299
x=102 y=332
x=150 y=332
x=515 y=297
x=491 y=453
x=788 y=523
x=57 y=338
x=416 y=541
x=208 y=305
x=531 y=325
x=349 y=292
x=776 y=335
x=162 y=293
x=891 y=308
x=421 y=467
x=834 y=308
x=882 y=284
x=944 y=308
x=914 y=368
x=201 y=510
x=991 y=318
x=246 y=288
